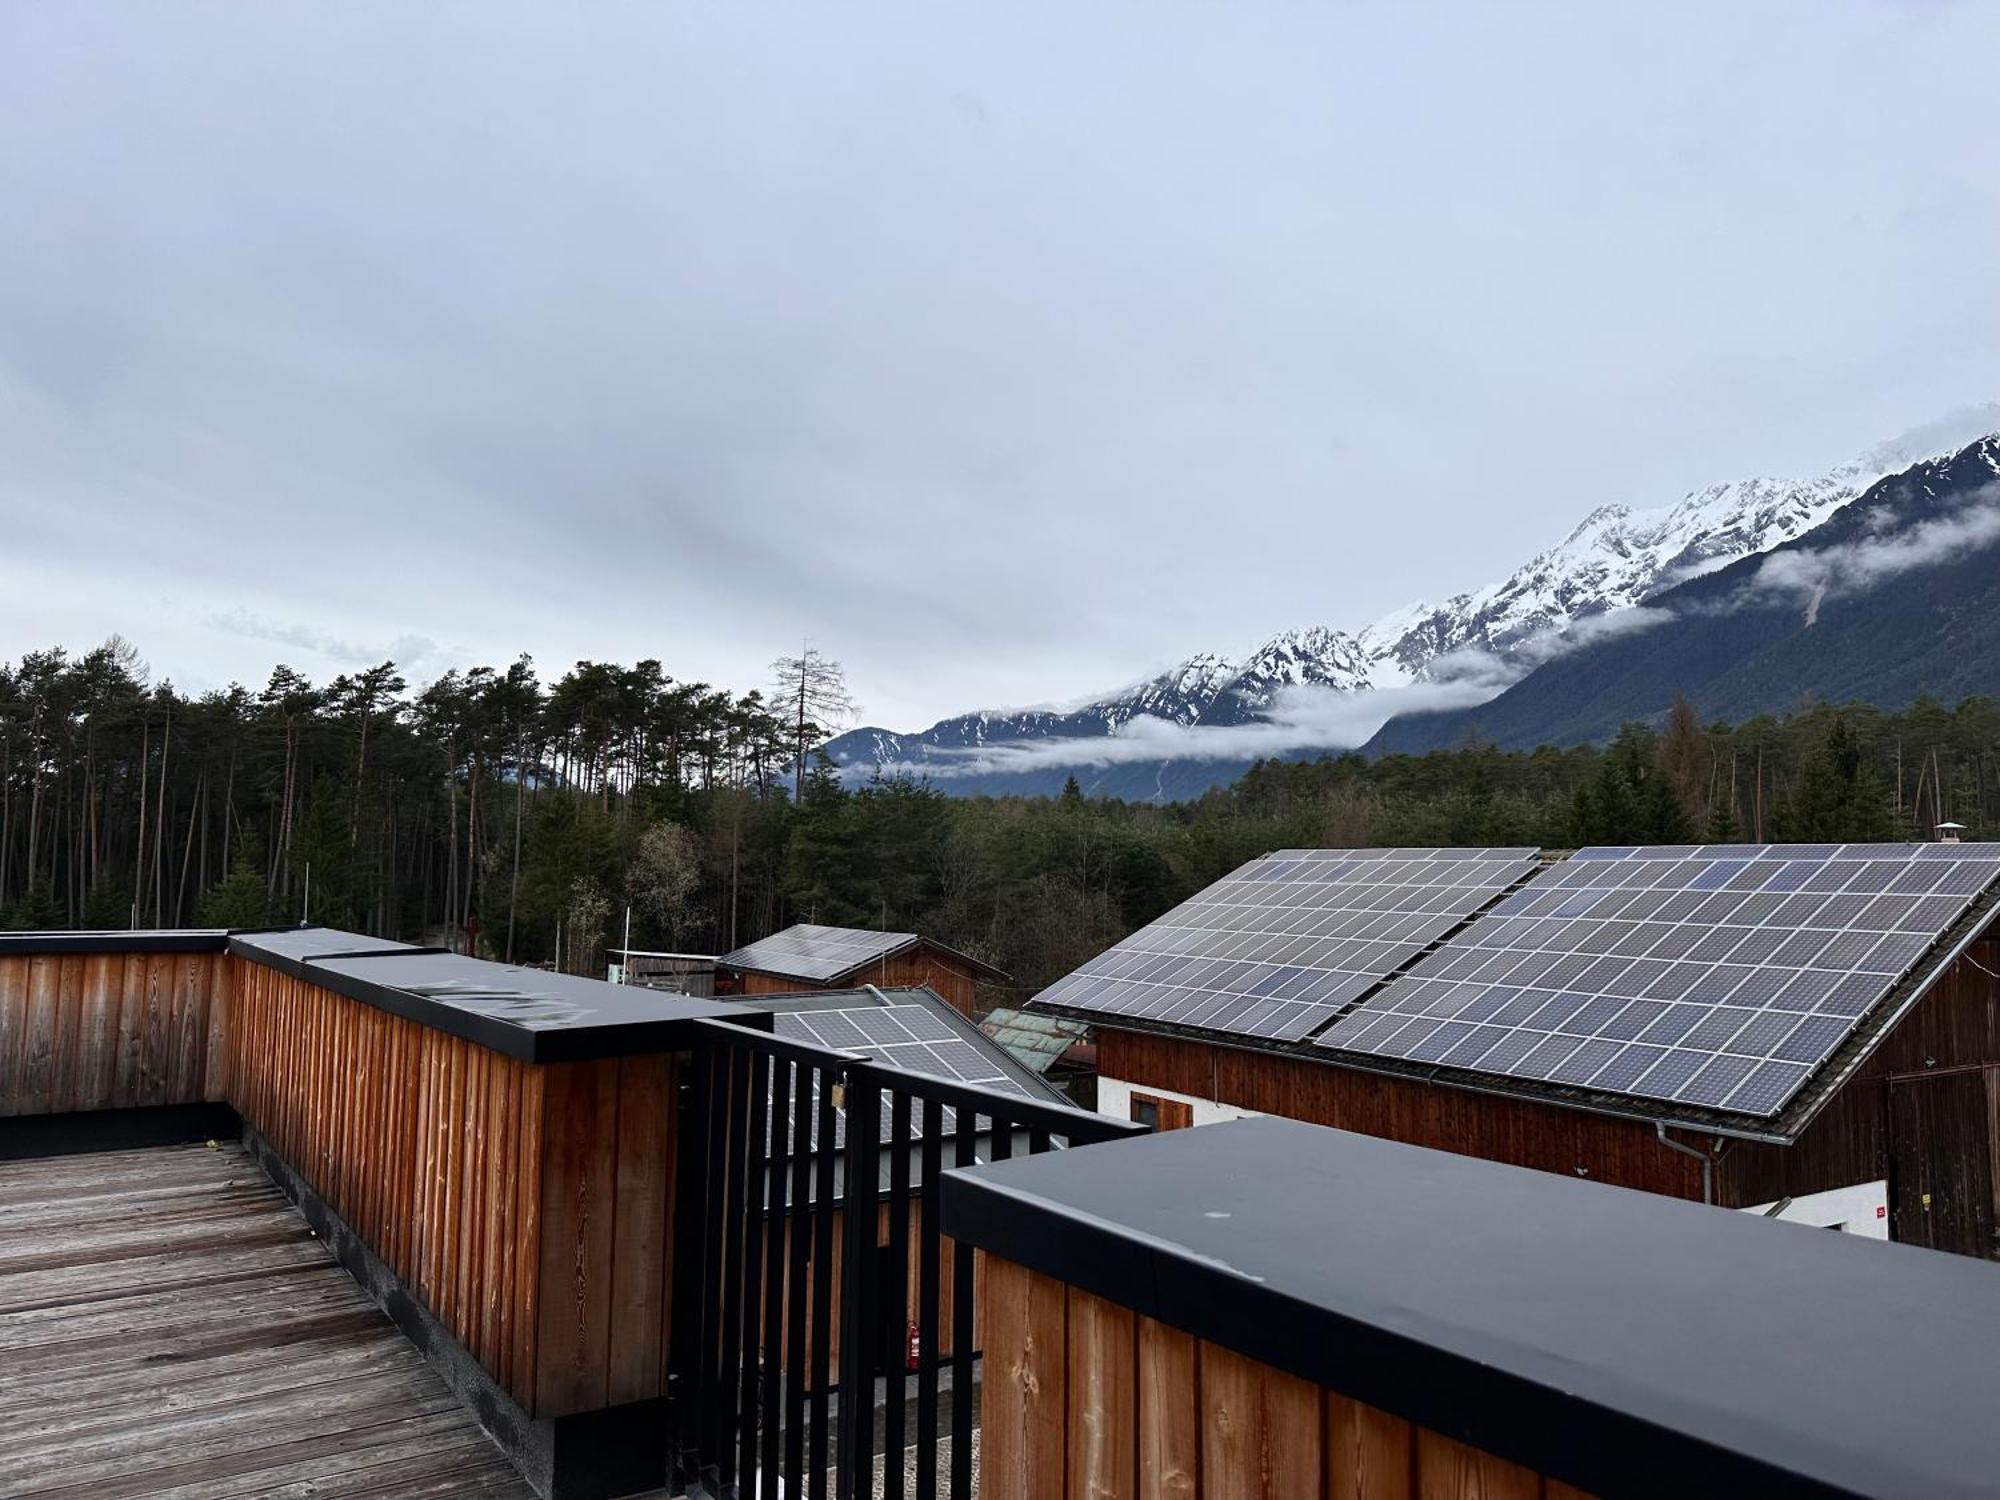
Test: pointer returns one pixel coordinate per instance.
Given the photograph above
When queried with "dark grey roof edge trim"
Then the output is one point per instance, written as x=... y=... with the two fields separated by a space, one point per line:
x=1428 y=1077
x=1553 y=1429
x=38 y=944
x=243 y=945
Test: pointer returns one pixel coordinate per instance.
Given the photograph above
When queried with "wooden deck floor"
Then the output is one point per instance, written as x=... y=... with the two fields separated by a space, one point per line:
x=170 y=1327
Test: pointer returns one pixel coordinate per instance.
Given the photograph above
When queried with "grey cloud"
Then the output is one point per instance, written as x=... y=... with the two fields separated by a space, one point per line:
x=1005 y=354
x=418 y=656
x=1812 y=575
x=1301 y=719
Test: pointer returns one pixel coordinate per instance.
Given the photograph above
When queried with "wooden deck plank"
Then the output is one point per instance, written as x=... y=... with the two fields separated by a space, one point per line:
x=169 y=1326
x=318 y=1345
x=421 y=1466
x=184 y=1342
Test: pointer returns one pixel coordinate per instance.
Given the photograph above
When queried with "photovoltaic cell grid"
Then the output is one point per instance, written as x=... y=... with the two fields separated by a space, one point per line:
x=1717 y=976
x=912 y=1038
x=815 y=952
x=1282 y=944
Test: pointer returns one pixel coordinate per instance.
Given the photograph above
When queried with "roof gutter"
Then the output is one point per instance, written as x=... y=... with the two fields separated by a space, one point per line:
x=1707 y=1161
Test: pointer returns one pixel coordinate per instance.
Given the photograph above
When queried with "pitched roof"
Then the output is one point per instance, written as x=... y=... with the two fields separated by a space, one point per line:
x=909 y=1028
x=1798 y=960
x=828 y=954
x=1036 y=1041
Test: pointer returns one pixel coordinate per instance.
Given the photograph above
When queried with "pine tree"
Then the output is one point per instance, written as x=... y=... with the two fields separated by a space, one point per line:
x=239 y=898
x=1630 y=800
x=1724 y=826
x=1835 y=798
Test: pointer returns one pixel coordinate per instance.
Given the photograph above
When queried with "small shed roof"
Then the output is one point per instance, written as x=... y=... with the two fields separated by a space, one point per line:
x=825 y=955
x=1036 y=1041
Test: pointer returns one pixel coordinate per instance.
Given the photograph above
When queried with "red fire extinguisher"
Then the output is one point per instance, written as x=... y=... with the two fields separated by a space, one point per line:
x=915 y=1358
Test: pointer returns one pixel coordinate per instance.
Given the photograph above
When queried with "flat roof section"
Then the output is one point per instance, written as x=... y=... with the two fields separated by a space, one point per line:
x=530 y=1014
x=1617 y=1340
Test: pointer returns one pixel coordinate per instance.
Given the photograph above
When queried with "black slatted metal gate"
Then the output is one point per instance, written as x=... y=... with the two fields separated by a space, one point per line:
x=807 y=1197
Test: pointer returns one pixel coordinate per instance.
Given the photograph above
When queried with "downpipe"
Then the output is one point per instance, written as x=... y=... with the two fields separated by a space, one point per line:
x=1707 y=1161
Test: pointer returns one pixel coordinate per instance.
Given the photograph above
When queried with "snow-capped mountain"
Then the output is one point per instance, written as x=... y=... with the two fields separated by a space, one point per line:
x=1181 y=695
x=1616 y=557
x=1313 y=657
x=1891 y=597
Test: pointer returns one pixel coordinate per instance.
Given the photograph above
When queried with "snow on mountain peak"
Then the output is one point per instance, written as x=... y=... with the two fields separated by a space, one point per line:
x=1616 y=557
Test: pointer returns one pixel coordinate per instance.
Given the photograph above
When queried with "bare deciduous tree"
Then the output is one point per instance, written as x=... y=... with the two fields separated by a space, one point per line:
x=584 y=916
x=813 y=690
x=665 y=873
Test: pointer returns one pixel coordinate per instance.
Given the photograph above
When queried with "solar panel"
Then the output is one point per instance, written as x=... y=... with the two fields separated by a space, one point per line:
x=1719 y=976
x=820 y=953
x=1282 y=944
x=912 y=1038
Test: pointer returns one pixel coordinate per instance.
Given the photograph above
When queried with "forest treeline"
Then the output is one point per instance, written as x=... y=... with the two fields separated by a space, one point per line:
x=526 y=817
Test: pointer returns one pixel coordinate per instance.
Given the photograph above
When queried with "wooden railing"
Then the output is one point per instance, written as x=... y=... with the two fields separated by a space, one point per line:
x=521 y=1202
x=490 y=1150
x=128 y=1022
x=1269 y=1309
x=1084 y=1397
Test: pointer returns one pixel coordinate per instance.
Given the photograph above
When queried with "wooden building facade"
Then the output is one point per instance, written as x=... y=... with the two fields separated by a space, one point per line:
x=1920 y=1115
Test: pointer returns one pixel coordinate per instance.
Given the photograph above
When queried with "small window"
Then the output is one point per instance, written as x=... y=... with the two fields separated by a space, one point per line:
x=1156 y=1113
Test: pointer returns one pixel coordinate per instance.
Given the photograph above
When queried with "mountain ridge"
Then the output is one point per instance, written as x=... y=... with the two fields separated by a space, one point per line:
x=1614 y=559
x=1892 y=598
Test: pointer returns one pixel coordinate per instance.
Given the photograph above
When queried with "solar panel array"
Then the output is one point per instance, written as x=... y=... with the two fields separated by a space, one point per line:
x=1284 y=943
x=913 y=1038
x=1719 y=976
x=820 y=953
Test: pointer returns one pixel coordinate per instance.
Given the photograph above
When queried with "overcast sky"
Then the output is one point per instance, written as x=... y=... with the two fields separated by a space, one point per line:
x=1006 y=351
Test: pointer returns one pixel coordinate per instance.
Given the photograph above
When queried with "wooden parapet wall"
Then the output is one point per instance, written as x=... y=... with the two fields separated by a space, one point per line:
x=527 y=1205
x=489 y=1150
x=112 y=1030
x=1084 y=1397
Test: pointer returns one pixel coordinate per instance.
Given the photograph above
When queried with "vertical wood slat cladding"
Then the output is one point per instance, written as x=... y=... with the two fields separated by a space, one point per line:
x=1083 y=1399
x=85 y=1031
x=522 y=1204
x=1518 y=1131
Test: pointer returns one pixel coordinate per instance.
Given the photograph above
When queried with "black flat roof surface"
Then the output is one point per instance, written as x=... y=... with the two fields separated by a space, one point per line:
x=1617 y=1340
x=531 y=1014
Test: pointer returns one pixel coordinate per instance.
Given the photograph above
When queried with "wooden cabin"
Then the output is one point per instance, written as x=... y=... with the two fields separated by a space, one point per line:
x=1892 y=1135
x=807 y=957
